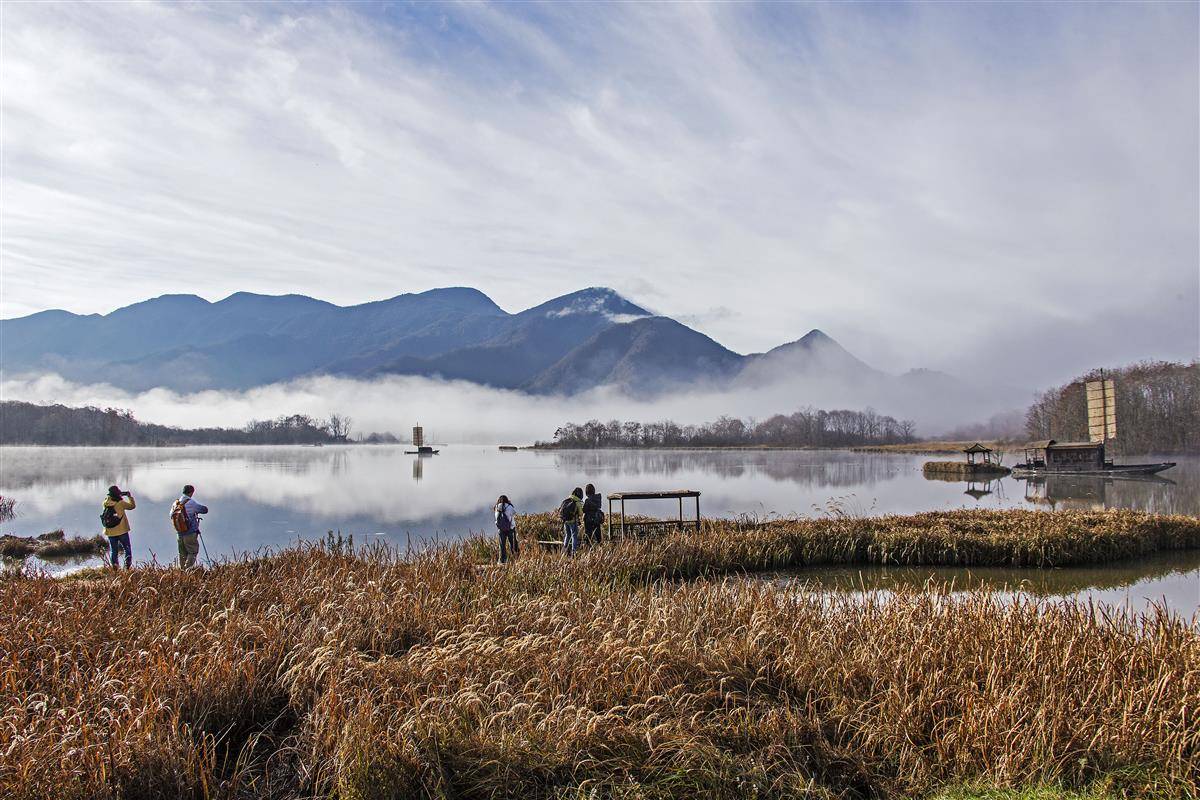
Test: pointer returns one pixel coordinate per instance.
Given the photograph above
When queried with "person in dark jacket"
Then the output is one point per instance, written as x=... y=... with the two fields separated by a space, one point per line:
x=593 y=515
x=570 y=510
x=506 y=526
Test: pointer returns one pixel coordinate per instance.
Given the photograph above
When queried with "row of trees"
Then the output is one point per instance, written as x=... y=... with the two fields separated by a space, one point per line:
x=807 y=427
x=28 y=423
x=1158 y=408
x=295 y=429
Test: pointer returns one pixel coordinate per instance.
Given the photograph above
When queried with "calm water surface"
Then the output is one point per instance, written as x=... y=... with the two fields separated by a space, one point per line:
x=272 y=496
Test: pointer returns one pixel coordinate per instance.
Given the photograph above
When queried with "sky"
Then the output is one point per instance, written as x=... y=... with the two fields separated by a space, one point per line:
x=1007 y=190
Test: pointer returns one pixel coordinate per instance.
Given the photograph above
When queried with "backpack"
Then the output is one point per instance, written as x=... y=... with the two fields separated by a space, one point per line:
x=179 y=518
x=568 y=511
x=109 y=517
x=592 y=513
x=502 y=521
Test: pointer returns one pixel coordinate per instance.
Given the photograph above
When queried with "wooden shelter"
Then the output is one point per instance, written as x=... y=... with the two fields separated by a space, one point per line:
x=977 y=451
x=641 y=528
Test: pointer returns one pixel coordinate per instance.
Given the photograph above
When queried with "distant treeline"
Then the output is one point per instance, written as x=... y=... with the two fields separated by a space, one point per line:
x=805 y=428
x=1158 y=408
x=27 y=423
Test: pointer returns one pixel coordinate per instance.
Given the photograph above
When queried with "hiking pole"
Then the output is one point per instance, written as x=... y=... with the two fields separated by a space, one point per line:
x=200 y=536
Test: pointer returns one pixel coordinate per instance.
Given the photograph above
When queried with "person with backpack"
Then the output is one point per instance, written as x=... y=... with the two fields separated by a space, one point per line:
x=569 y=512
x=185 y=520
x=116 y=525
x=593 y=515
x=506 y=525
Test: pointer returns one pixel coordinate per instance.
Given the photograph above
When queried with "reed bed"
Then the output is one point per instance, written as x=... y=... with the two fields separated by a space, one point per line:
x=1013 y=538
x=51 y=545
x=8 y=507
x=325 y=672
x=962 y=470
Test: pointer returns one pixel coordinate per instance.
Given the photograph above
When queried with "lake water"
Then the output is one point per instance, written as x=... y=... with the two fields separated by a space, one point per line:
x=273 y=496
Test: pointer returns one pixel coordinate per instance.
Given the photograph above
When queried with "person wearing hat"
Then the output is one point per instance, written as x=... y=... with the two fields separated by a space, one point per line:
x=185 y=515
x=116 y=525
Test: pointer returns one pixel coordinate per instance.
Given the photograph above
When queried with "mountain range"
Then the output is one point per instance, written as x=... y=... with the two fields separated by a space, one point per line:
x=589 y=338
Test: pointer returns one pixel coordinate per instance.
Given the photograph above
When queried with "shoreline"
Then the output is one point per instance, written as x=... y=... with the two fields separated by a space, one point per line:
x=1006 y=538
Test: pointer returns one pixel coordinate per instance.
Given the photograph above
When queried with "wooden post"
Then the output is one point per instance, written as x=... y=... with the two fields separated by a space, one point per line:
x=681 y=513
x=622 y=517
x=608 y=520
x=697 y=513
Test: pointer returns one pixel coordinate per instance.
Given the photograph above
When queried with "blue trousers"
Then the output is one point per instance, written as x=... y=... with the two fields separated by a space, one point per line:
x=570 y=537
x=115 y=545
x=508 y=539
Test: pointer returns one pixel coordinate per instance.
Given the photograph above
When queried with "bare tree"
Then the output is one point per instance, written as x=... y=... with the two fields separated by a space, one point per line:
x=340 y=426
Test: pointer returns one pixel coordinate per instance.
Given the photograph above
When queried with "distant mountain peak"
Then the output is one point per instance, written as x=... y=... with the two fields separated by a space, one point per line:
x=173 y=298
x=598 y=300
x=254 y=299
x=464 y=298
x=164 y=303
x=814 y=339
x=816 y=335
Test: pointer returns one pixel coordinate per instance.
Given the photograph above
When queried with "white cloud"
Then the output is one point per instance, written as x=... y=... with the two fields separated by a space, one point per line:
x=918 y=181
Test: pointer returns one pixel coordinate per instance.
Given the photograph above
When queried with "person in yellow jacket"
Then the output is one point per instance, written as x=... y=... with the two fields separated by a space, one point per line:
x=116 y=524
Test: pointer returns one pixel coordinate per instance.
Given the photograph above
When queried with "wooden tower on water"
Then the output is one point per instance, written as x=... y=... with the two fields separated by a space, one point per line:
x=418 y=440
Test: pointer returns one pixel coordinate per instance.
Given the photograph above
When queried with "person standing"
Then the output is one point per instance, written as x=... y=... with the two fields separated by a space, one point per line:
x=593 y=515
x=570 y=511
x=116 y=525
x=185 y=517
x=506 y=525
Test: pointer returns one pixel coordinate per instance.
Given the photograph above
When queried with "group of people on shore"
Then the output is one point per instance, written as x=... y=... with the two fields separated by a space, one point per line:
x=582 y=507
x=185 y=519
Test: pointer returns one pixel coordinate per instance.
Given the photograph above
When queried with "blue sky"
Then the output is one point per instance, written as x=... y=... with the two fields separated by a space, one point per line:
x=1008 y=187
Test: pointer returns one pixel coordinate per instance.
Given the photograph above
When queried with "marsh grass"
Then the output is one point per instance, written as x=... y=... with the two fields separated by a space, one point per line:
x=8 y=508
x=52 y=545
x=330 y=671
x=962 y=470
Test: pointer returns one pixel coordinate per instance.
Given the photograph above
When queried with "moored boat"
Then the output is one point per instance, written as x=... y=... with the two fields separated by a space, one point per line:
x=1078 y=458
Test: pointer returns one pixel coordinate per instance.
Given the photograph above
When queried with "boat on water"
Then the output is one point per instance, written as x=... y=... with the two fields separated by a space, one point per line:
x=418 y=440
x=1050 y=457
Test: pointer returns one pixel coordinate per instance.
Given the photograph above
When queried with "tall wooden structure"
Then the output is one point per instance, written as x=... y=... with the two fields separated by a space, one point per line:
x=1101 y=409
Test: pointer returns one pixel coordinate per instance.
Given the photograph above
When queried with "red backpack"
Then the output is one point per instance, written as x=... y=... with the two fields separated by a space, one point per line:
x=179 y=517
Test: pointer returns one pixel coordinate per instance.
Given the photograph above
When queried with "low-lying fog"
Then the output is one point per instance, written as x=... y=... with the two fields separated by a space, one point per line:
x=457 y=411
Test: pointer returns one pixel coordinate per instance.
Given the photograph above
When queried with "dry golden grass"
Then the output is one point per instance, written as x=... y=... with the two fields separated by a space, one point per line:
x=962 y=470
x=51 y=545
x=318 y=672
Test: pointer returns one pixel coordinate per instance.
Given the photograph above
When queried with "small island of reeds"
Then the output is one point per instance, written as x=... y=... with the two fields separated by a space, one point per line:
x=962 y=470
x=632 y=670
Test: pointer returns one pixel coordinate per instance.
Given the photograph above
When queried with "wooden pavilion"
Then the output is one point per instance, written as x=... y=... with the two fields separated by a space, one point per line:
x=979 y=451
